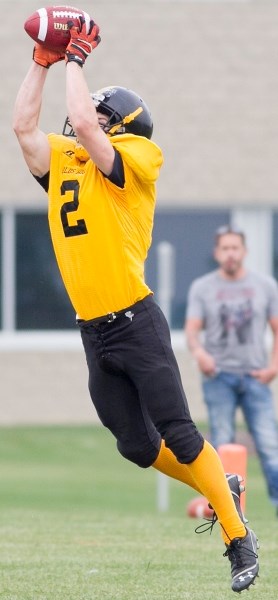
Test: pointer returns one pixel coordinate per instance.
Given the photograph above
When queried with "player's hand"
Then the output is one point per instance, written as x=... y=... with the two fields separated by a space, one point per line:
x=81 y=43
x=44 y=57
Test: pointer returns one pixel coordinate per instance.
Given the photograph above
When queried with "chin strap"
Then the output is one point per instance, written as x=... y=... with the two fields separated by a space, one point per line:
x=126 y=120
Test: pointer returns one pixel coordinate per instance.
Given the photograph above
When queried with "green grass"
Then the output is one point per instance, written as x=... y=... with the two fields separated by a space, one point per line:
x=78 y=522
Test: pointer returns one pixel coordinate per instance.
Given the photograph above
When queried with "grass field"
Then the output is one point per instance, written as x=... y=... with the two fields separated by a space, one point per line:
x=78 y=522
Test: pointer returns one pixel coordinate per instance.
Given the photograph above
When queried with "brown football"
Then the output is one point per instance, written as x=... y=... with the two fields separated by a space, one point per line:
x=198 y=508
x=48 y=26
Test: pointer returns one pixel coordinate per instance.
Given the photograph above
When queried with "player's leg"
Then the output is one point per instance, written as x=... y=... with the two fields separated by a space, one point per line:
x=159 y=375
x=125 y=409
x=157 y=378
x=119 y=408
x=109 y=352
x=259 y=411
x=220 y=396
x=116 y=400
x=167 y=464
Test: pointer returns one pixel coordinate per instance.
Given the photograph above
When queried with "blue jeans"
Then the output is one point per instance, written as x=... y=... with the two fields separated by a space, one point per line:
x=223 y=394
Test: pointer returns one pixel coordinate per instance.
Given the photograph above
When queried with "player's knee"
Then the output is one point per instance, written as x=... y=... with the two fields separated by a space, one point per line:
x=143 y=457
x=185 y=441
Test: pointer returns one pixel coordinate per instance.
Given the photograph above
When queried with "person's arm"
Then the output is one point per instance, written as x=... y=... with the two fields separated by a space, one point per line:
x=273 y=322
x=193 y=328
x=84 y=119
x=33 y=141
x=81 y=109
x=269 y=373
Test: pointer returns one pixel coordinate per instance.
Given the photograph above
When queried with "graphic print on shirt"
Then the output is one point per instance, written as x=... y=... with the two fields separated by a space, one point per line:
x=235 y=314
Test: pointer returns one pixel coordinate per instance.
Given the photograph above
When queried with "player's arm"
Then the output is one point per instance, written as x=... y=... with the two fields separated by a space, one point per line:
x=81 y=110
x=33 y=141
x=84 y=120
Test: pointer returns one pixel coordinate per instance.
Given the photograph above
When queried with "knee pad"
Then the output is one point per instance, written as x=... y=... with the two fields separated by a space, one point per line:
x=142 y=457
x=185 y=441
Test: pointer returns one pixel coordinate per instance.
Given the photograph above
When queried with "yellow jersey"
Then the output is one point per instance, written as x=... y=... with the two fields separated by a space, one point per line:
x=101 y=233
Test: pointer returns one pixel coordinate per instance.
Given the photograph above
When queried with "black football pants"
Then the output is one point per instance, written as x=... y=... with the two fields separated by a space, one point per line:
x=135 y=384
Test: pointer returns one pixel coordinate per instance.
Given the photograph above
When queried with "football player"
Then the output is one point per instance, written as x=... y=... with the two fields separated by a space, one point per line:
x=100 y=177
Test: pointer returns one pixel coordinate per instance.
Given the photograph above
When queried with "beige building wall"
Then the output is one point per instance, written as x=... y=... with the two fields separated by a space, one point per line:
x=51 y=387
x=42 y=386
x=208 y=70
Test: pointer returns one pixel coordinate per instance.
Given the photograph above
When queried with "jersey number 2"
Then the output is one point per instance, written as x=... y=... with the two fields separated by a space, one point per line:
x=80 y=227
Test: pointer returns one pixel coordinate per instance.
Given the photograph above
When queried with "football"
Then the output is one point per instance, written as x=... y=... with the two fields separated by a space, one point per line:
x=198 y=508
x=48 y=26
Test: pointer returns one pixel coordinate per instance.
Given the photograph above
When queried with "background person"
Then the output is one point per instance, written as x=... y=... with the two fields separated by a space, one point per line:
x=102 y=193
x=227 y=314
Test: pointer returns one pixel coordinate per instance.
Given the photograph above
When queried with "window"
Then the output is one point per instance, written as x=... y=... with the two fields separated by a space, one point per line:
x=41 y=300
x=191 y=232
x=35 y=298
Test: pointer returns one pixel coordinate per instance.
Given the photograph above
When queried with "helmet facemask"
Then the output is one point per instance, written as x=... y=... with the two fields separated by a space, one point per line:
x=68 y=130
x=114 y=122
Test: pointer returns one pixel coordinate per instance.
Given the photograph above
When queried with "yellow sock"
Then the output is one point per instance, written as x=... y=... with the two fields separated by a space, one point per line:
x=215 y=488
x=167 y=463
x=217 y=491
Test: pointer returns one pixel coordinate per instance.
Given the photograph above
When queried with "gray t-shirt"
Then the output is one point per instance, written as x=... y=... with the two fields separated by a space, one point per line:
x=234 y=315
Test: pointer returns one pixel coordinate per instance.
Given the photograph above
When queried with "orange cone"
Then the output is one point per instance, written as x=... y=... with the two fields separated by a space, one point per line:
x=234 y=460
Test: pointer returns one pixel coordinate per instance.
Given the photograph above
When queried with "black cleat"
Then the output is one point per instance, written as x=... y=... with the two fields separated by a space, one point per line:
x=244 y=560
x=236 y=486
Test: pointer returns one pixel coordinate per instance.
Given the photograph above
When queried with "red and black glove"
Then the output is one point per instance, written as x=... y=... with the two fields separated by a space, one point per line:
x=81 y=43
x=44 y=57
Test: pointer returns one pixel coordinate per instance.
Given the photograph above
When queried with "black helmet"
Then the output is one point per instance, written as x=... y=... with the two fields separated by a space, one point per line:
x=127 y=112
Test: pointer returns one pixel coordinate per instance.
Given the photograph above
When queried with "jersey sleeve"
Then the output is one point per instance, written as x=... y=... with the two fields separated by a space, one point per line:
x=43 y=181
x=141 y=157
x=117 y=176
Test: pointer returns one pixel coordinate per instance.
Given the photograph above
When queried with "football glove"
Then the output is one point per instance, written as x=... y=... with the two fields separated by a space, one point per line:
x=81 y=43
x=44 y=57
